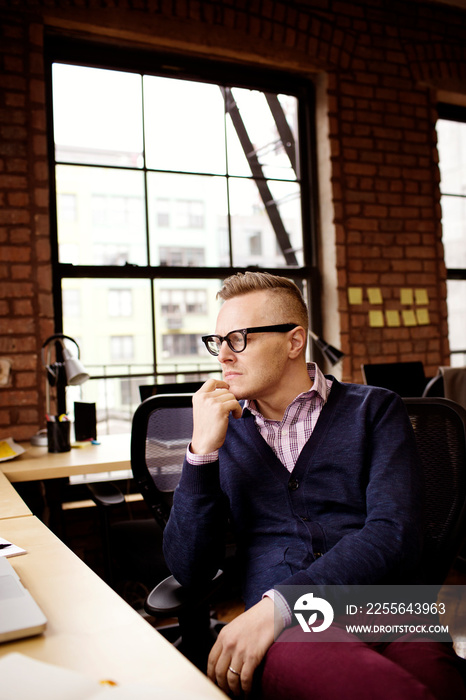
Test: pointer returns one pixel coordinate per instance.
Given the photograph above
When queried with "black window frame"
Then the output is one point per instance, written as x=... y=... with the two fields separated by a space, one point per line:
x=455 y=113
x=80 y=51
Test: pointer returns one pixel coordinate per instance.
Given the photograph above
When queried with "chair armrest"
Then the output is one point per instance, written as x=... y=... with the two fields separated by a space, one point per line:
x=106 y=494
x=169 y=598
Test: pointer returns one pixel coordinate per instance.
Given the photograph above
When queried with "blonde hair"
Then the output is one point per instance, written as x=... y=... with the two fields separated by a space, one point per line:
x=288 y=297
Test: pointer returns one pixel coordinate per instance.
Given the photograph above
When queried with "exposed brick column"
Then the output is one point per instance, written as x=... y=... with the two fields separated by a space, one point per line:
x=25 y=298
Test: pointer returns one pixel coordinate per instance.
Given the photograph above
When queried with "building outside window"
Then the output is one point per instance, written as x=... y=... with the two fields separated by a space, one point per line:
x=120 y=302
x=168 y=177
x=67 y=207
x=121 y=348
x=451 y=132
x=180 y=345
x=72 y=303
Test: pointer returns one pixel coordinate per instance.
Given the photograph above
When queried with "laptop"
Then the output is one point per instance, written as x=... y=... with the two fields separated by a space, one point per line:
x=20 y=616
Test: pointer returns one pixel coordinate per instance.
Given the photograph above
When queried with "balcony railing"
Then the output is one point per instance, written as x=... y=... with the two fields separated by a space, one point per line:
x=115 y=389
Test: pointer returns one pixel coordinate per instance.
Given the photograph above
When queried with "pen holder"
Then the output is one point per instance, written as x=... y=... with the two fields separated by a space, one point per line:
x=58 y=436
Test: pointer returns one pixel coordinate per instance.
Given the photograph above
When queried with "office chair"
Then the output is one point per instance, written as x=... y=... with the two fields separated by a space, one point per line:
x=440 y=430
x=405 y=378
x=450 y=382
x=161 y=431
x=119 y=532
x=434 y=387
x=146 y=390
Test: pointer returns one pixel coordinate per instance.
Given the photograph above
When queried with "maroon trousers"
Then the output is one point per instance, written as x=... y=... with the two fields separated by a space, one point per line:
x=354 y=670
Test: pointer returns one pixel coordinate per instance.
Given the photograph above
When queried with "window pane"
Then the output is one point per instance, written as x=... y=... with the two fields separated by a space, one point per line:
x=187 y=220
x=187 y=193
x=97 y=116
x=249 y=217
x=120 y=302
x=454 y=230
x=452 y=153
x=101 y=321
x=260 y=123
x=109 y=226
x=184 y=125
x=456 y=296
x=185 y=310
x=452 y=149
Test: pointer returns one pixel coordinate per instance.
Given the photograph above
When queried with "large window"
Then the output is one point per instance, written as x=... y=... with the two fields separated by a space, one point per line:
x=167 y=178
x=451 y=130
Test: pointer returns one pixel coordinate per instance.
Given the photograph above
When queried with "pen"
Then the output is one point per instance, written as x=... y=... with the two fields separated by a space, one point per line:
x=4 y=546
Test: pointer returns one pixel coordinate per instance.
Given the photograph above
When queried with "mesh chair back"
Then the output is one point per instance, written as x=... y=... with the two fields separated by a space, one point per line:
x=440 y=430
x=161 y=430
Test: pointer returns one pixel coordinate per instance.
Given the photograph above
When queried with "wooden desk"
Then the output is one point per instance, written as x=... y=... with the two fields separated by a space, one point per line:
x=11 y=503
x=90 y=628
x=113 y=454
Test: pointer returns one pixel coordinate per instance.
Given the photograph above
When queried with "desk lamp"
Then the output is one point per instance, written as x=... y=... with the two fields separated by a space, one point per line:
x=332 y=354
x=69 y=372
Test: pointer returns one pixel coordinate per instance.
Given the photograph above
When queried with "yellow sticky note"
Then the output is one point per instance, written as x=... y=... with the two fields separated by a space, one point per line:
x=374 y=295
x=406 y=296
x=393 y=318
x=6 y=451
x=376 y=319
x=422 y=316
x=409 y=317
x=421 y=296
x=355 y=295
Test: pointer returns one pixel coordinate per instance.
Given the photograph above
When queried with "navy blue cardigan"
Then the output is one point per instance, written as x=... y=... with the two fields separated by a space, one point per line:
x=349 y=513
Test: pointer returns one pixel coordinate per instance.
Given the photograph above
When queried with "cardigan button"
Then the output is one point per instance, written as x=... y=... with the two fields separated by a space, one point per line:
x=293 y=484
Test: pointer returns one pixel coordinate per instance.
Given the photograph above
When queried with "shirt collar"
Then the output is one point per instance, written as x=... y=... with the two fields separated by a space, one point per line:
x=319 y=387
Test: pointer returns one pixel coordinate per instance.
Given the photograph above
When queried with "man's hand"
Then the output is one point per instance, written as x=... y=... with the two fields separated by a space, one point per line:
x=241 y=645
x=212 y=405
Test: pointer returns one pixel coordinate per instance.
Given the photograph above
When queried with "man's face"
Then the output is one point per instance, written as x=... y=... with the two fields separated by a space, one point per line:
x=260 y=370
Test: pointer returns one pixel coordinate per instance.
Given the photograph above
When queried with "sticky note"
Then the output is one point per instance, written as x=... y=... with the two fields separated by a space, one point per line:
x=374 y=295
x=409 y=317
x=355 y=295
x=422 y=316
x=421 y=296
x=376 y=319
x=406 y=296
x=393 y=318
x=6 y=451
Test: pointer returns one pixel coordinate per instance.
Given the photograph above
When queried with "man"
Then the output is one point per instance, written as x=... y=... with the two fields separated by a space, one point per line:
x=321 y=484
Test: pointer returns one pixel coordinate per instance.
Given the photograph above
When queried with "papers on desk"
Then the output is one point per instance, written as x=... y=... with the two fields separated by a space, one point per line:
x=9 y=549
x=23 y=678
x=9 y=449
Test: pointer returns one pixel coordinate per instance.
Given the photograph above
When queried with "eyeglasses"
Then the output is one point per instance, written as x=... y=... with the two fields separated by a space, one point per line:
x=237 y=340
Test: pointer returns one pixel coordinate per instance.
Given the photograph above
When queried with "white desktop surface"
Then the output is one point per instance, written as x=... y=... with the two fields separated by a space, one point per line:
x=112 y=454
x=90 y=628
x=11 y=503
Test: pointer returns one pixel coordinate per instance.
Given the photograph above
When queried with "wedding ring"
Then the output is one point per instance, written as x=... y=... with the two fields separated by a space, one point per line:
x=233 y=671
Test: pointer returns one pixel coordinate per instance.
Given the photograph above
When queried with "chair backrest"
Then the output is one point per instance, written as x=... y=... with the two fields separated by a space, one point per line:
x=440 y=430
x=146 y=390
x=161 y=431
x=434 y=387
x=405 y=378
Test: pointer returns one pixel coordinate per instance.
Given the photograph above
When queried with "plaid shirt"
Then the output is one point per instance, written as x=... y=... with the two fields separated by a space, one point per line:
x=288 y=436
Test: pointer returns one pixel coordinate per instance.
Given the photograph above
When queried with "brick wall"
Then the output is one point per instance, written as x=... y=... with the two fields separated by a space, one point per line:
x=383 y=62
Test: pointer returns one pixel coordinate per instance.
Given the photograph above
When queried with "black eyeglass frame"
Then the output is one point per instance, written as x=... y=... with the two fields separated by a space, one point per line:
x=279 y=328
